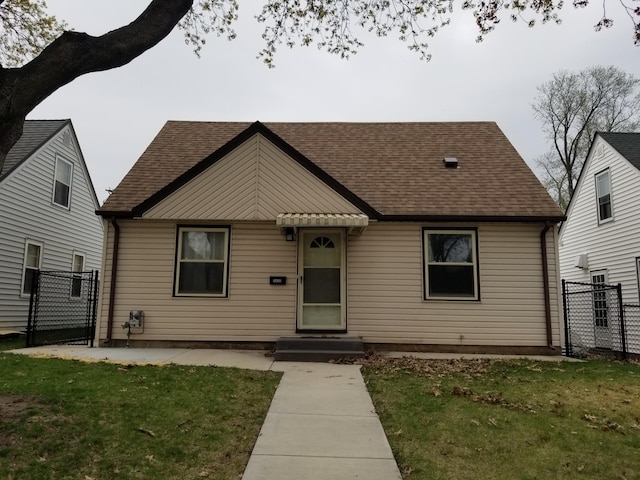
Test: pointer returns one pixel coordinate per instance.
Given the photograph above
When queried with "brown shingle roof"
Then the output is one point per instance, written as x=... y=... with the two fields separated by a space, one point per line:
x=396 y=169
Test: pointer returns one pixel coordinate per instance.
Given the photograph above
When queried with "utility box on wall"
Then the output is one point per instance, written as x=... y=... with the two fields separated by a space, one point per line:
x=135 y=318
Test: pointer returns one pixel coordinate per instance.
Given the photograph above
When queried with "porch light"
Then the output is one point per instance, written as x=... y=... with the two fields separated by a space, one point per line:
x=289 y=234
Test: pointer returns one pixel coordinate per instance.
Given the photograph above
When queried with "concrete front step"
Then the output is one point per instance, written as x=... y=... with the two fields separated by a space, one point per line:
x=318 y=349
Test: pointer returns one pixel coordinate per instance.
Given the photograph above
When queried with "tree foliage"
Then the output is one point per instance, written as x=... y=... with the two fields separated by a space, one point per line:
x=332 y=24
x=25 y=29
x=572 y=107
x=38 y=56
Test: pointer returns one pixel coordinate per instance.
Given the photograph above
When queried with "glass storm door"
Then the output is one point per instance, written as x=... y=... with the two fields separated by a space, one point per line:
x=601 y=310
x=322 y=287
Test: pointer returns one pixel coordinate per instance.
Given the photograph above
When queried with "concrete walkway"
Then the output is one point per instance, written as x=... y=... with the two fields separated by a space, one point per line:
x=321 y=425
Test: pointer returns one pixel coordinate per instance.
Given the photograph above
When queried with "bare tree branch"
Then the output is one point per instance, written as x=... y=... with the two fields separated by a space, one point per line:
x=73 y=54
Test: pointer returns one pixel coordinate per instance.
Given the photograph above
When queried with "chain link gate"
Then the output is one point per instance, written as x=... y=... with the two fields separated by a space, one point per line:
x=63 y=308
x=593 y=319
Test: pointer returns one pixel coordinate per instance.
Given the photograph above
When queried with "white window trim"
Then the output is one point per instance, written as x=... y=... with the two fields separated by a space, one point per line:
x=606 y=171
x=474 y=255
x=178 y=261
x=24 y=264
x=53 y=190
x=73 y=262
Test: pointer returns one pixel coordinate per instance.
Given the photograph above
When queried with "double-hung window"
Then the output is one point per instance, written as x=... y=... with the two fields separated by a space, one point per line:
x=32 y=262
x=603 y=194
x=451 y=264
x=202 y=261
x=62 y=182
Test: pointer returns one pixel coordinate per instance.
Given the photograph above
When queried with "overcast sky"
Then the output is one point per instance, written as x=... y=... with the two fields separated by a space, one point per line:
x=117 y=113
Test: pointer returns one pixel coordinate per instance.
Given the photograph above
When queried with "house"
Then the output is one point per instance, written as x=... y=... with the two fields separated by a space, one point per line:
x=600 y=244
x=600 y=241
x=47 y=214
x=430 y=236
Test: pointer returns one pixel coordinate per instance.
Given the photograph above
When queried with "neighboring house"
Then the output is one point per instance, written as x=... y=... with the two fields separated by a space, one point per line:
x=47 y=214
x=433 y=236
x=600 y=241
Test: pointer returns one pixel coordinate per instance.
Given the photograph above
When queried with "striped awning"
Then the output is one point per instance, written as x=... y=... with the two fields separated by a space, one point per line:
x=356 y=222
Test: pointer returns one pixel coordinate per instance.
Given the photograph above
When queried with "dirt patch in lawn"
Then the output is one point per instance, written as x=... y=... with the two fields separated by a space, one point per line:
x=14 y=406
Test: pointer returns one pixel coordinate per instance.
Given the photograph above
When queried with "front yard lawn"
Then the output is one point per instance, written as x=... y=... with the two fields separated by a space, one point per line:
x=486 y=419
x=64 y=419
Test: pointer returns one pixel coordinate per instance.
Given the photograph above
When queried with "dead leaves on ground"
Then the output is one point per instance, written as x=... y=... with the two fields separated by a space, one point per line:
x=423 y=367
x=604 y=424
x=491 y=398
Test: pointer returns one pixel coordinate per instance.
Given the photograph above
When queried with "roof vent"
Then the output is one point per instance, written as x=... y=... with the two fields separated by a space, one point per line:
x=450 y=162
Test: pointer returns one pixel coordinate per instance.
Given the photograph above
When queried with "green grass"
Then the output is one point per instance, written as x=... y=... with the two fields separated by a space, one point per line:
x=509 y=420
x=64 y=419
x=12 y=343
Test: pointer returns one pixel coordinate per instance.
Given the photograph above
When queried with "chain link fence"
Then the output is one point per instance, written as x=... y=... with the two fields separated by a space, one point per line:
x=63 y=308
x=594 y=319
x=632 y=323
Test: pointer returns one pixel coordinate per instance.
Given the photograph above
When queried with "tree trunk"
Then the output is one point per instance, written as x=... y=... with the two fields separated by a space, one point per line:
x=73 y=54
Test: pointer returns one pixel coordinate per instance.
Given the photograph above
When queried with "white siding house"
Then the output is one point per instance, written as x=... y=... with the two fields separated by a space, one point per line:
x=47 y=214
x=600 y=241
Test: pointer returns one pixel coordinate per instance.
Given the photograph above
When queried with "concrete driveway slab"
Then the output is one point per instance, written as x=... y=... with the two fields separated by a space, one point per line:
x=248 y=359
x=116 y=355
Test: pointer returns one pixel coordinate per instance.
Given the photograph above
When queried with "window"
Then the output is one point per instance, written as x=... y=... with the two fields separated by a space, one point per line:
x=77 y=268
x=32 y=262
x=603 y=194
x=202 y=261
x=62 y=182
x=451 y=265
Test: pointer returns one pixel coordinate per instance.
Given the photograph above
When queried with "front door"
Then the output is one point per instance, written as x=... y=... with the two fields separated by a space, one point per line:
x=321 y=294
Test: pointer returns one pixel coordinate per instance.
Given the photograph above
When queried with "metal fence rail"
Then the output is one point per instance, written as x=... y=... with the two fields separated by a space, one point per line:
x=594 y=319
x=63 y=308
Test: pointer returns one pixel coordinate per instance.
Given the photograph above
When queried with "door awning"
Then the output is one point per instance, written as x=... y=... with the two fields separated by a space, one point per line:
x=356 y=223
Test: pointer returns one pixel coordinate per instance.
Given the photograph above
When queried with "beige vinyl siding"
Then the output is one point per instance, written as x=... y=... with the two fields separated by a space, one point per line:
x=385 y=297
x=614 y=245
x=256 y=181
x=27 y=212
x=253 y=311
x=384 y=291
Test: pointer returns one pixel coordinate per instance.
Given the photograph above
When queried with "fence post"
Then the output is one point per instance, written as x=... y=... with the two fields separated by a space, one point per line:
x=565 y=308
x=623 y=333
x=35 y=282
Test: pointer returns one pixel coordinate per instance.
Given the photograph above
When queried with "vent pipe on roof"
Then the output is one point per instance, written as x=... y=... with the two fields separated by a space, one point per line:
x=450 y=162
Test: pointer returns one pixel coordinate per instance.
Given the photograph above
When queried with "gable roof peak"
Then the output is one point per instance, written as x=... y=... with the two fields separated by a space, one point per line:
x=35 y=133
x=626 y=143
